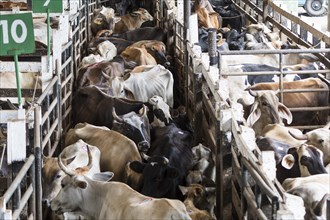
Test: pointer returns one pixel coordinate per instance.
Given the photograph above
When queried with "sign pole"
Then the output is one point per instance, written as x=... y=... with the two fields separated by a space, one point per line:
x=18 y=82
x=48 y=40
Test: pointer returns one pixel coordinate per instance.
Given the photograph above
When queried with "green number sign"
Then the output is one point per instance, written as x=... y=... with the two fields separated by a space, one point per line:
x=16 y=34
x=42 y=6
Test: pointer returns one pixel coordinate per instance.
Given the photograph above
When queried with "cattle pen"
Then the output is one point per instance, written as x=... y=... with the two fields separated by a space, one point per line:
x=253 y=191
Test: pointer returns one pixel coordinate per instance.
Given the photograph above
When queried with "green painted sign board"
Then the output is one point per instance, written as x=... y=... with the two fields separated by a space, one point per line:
x=44 y=6
x=16 y=34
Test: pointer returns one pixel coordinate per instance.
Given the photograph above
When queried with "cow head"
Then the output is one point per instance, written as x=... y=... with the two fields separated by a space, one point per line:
x=267 y=110
x=103 y=18
x=73 y=184
x=142 y=14
x=73 y=156
x=134 y=126
x=158 y=51
x=159 y=177
x=202 y=197
x=319 y=138
x=159 y=114
x=308 y=158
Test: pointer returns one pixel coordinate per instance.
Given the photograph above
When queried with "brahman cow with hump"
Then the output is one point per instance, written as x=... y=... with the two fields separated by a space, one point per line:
x=100 y=199
x=132 y=21
x=302 y=99
x=154 y=80
x=168 y=162
x=116 y=150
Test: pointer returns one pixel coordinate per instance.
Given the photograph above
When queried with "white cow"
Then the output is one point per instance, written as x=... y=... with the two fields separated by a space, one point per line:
x=75 y=156
x=100 y=199
x=320 y=138
x=314 y=190
x=154 y=80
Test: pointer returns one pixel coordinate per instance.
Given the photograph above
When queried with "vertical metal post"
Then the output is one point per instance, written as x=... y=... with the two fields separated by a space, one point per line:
x=219 y=168
x=187 y=11
x=328 y=200
x=244 y=185
x=38 y=161
x=265 y=11
x=32 y=201
x=212 y=46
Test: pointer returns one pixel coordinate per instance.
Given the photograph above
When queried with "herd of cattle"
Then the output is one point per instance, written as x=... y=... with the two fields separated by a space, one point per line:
x=130 y=154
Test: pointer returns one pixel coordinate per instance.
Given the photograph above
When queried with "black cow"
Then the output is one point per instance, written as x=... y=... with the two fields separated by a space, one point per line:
x=203 y=41
x=234 y=39
x=253 y=79
x=293 y=162
x=170 y=159
x=231 y=17
x=144 y=33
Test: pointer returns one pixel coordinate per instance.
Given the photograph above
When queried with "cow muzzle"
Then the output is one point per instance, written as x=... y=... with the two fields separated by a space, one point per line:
x=143 y=146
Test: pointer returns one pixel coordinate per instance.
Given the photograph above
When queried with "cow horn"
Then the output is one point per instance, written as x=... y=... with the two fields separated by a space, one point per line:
x=90 y=158
x=253 y=93
x=64 y=168
x=166 y=161
x=144 y=156
x=327 y=126
x=114 y=114
x=298 y=137
x=144 y=111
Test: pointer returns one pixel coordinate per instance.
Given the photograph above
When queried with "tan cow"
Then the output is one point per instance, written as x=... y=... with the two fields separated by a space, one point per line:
x=138 y=55
x=116 y=149
x=207 y=17
x=195 y=194
x=100 y=199
x=132 y=21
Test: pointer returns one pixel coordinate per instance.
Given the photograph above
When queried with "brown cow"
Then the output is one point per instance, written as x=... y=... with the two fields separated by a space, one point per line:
x=98 y=74
x=138 y=55
x=156 y=48
x=207 y=17
x=196 y=195
x=302 y=99
x=132 y=21
x=116 y=149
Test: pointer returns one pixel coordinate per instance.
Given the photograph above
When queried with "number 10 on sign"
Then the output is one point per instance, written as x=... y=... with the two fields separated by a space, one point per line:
x=16 y=33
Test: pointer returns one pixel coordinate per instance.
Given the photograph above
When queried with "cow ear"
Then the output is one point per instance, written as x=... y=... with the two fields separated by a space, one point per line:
x=198 y=192
x=137 y=166
x=135 y=14
x=116 y=19
x=285 y=113
x=103 y=177
x=288 y=161
x=254 y=115
x=183 y=189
